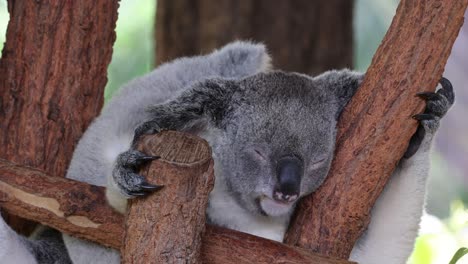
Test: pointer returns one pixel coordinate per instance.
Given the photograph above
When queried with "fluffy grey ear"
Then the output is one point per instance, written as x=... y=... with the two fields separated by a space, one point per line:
x=342 y=83
x=242 y=58
x=205 y=102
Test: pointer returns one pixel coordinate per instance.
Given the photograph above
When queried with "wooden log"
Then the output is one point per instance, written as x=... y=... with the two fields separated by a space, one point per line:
x=376 y=127
x=167 y=226
x=73 y=207
x=53 y=71
x=225 y=246
x=80 y=210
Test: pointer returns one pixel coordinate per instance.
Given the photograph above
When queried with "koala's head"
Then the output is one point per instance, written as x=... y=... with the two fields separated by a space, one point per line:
x=277 y=140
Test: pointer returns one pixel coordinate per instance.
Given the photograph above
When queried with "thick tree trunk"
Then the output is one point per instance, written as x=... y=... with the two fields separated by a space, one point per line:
x=376 y=127
x=301 y=35
x=52 y=77
x=167 y=226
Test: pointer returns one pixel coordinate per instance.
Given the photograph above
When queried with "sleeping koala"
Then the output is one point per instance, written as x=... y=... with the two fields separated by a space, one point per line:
x=273 y=138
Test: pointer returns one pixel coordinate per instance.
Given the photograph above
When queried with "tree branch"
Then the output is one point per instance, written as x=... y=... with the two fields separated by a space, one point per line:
x=167 y=226
x=80 y=210
x=76 y=208
x=376 y=127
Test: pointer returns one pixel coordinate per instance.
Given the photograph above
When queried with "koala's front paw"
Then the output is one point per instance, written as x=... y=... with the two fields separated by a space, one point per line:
x=126 y=178
x=437 y=105
x=147 y=128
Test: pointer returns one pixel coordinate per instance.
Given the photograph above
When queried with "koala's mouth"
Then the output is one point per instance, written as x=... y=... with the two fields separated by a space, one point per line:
x=272 y=207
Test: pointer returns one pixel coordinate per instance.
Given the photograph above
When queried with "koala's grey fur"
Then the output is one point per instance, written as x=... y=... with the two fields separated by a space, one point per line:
x=252 y=117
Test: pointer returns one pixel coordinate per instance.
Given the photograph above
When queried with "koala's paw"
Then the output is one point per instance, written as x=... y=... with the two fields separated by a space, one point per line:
x=126 y=178
x=437 y=105
x=147 y=128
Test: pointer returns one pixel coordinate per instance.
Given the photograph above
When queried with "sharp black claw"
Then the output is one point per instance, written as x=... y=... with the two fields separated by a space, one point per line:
x=137 y=193
x=150 y=187
x=421 y=117
x=446 y=84
x=447 y=90
x=429 y=96
x=147 y=128
x=149 y=158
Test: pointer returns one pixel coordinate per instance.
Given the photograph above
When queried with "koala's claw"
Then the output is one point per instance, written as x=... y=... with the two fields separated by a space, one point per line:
x=147 y=128
x=429 y=96
x=148 y=158
x=421 y=117
x=150 y=187
x=129 y=182
x=146 y=188
x=135 y=194
x=437 y=105
x=447 y=90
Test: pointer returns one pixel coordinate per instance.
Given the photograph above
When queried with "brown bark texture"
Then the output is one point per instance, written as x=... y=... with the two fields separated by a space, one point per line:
x=227 y=246
x=70 y=206
x=167 y=226
x=80 y=210
x=375 y=128
x=301 y=35
x=52 y=76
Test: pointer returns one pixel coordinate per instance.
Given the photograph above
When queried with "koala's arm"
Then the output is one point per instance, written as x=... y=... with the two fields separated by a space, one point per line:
x=113 y=131
x=202 y=108
x=396 y=215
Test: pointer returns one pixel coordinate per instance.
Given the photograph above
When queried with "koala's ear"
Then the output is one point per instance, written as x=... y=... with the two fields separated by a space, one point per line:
x=205 y=102
x=342 y=84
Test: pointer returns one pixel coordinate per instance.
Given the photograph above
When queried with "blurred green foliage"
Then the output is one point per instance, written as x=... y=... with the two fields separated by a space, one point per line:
x=133 y=49
x=371 y=20
x=459 y=254
x=439 y=239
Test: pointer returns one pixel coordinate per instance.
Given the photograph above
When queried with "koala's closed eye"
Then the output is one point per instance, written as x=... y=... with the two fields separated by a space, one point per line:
x=318 y=162
x=258 y=153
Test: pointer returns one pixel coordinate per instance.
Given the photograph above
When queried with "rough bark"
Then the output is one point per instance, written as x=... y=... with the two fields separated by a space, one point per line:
x=301 y=35
x=232 y=247
x=52 y=77
x=167 y=226
x=375 y=128
x=80 y=210
x=73 y=207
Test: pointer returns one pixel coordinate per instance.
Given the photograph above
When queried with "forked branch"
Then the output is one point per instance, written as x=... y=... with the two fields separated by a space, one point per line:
x=376 y=127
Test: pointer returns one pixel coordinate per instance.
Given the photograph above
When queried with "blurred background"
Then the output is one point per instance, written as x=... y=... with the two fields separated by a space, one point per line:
x=349 y=39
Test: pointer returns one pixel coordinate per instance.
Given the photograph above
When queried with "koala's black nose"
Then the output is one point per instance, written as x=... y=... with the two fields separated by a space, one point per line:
x=289 y=172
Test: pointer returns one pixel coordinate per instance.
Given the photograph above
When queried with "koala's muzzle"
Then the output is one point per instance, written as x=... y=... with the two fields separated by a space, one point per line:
x=289 y=172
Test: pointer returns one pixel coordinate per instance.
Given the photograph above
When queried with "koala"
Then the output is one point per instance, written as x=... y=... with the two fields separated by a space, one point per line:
x=273 y=138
